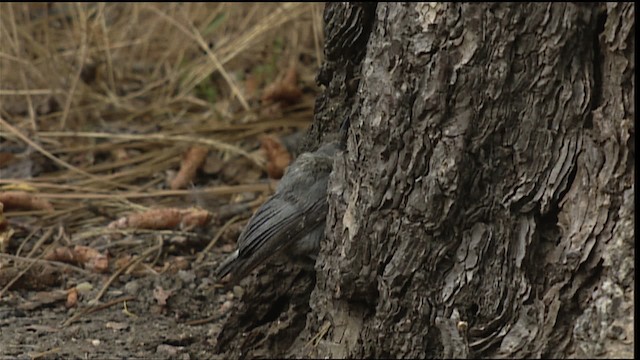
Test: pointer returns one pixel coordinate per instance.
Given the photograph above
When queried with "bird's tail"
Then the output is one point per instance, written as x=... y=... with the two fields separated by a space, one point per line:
x=228 y=265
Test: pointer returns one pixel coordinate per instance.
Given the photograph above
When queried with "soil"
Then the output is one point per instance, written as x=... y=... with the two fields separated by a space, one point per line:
x=138 y=328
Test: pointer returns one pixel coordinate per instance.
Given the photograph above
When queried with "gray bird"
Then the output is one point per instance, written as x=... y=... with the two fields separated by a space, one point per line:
x=291 y=221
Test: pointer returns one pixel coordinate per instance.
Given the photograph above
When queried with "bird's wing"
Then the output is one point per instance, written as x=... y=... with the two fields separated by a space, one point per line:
x=277 y=223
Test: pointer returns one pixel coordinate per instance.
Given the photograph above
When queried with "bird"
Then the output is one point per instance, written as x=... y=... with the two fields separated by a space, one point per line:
x=289 y=222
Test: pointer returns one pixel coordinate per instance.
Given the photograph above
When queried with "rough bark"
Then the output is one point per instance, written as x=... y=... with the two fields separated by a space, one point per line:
x=273 y=311
x=484 y=204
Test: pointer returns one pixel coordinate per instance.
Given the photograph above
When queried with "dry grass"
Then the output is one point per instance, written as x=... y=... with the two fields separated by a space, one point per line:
x=99 y=101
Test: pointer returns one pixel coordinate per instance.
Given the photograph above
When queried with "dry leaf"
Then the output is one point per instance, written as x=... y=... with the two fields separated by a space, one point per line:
x=91 y=258
x=152 y=219
x=161 y=295
x=63 y=254
x=193 y=218
x=72 y=298
x=278 y=157
x=168 y=218
x=192 y=160
x=285 y=91
x=23 y=200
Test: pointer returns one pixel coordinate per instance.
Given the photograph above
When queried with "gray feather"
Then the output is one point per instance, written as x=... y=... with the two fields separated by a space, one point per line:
x=292 y=220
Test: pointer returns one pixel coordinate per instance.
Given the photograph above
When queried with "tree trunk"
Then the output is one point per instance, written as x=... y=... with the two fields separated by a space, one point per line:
x=484 y=205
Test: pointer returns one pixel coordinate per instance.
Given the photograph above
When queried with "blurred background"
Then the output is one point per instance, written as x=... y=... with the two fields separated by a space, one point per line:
x=132 y=129
x=97 y=98
x=78 y=66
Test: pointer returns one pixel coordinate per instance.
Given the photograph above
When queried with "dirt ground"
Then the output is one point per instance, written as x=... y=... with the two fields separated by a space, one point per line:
x=138 y=328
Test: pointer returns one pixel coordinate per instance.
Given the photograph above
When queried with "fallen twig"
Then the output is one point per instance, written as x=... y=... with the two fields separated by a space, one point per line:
x=95 y=308
x=115 y=275
x=217 y=237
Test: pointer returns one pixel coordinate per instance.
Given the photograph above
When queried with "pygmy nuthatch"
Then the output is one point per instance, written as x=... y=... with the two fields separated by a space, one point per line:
x=291 y=221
